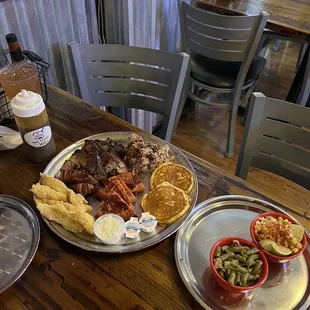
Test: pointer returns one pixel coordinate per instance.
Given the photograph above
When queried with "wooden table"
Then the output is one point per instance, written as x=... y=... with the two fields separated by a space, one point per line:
x=62 y=276
x=288 y=17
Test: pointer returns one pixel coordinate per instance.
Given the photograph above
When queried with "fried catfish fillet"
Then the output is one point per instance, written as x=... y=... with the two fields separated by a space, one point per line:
x=53 y=183
x=45 y=192
x=78 y=201
x=60 y=214
x=66 y=214
x=60 y=204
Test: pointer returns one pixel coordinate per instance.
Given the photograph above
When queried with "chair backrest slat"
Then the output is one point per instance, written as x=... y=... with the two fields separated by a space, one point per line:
x=126 y=70
x=128 y=86
x=217 y=32
x=214 y=53
x=277 y=139
x=282 y=150
x=129 y=100
x=125 y=53
x=217 y=20
x=131 y=77
x=288 y=112
x=214 y=43
x=219 y=36
x=286 y=131
x=283 y=168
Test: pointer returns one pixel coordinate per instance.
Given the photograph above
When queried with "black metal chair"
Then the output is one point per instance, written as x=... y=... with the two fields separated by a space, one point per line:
x=222 y=57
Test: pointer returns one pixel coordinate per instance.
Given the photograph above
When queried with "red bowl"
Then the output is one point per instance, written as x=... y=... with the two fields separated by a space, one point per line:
x=271 y=257
x=234 y=288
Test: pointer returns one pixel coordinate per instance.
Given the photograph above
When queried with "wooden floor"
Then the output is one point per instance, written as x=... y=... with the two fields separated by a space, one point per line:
x=203 y=131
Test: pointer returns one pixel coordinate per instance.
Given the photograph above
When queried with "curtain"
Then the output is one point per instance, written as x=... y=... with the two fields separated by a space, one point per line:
x=45 y=27
x=143 y=23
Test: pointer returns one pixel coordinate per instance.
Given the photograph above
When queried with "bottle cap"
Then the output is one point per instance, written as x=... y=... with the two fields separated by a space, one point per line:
x=27 y=104
x=11 y=38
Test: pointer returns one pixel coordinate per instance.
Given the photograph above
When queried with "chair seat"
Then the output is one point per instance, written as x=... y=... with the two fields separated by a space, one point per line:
x=222 y=74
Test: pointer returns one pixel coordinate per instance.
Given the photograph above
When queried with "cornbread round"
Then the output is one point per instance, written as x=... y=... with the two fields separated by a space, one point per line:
x=175 y=174
x=166 y=202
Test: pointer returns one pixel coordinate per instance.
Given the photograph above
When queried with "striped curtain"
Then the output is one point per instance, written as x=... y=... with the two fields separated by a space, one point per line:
x=144 y=23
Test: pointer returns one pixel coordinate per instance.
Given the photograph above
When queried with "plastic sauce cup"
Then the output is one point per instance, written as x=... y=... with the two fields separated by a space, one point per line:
x=132 y=228
x=109 y=228
x=148 y=222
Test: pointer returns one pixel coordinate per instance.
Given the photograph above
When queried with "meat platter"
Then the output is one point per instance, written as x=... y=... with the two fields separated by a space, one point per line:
x=59 y=166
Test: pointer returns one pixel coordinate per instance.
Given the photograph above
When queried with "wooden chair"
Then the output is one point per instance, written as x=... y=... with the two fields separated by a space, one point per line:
x=131 y=77
x=222 y=57
x=277 y=139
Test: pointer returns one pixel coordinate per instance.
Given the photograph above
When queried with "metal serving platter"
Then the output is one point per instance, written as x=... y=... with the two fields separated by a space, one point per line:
x=19 y=239
x=88 y=242
x=287 y=286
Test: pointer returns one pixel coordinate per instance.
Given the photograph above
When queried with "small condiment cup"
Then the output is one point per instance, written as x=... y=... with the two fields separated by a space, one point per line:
x=117 y=236
x=132 y=228
x=148 y=222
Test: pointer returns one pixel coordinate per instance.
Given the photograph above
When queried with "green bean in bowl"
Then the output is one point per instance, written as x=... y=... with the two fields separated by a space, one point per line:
x=241 y=265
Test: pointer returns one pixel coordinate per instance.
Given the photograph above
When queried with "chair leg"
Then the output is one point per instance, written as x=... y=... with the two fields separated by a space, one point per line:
x=231 y=130
x=187 y=85
x=233 y=118
x=302 y=51
x=245 y=115
x=232 y=121
x=178 y=115
x=277 y=44
x=245 y=100
x=304 y=93
x=260 y=45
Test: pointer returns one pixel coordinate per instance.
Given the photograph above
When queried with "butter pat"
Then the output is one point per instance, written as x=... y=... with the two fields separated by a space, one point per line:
x=132 y=228
x=109 y=228
x=148 y=222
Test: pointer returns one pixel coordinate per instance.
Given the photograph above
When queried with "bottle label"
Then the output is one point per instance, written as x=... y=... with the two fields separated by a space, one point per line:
x=39 y=137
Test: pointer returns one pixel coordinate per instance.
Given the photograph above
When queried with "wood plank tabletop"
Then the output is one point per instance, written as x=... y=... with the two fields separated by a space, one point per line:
x=289 y=17
x=62 y=276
